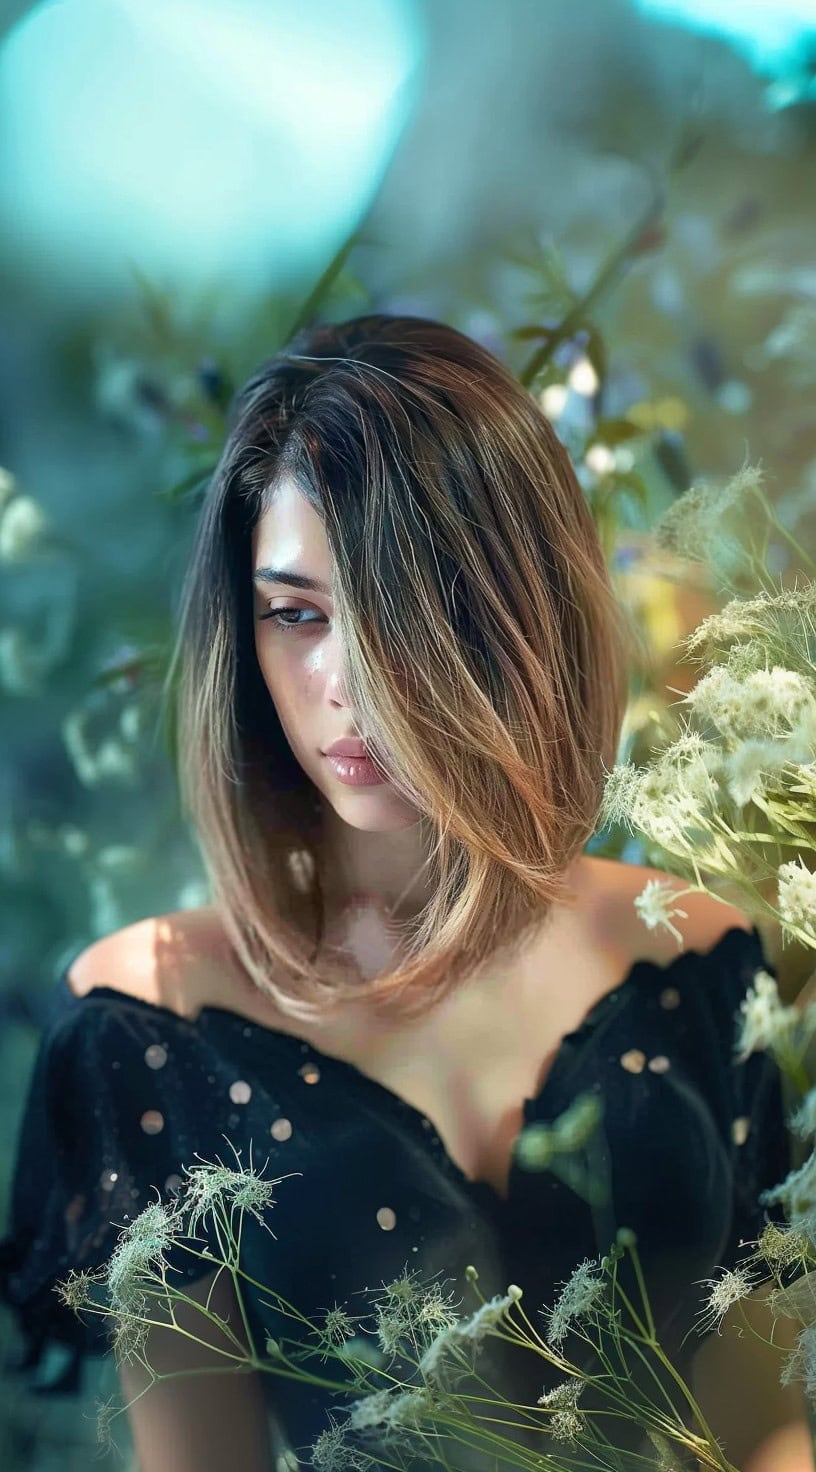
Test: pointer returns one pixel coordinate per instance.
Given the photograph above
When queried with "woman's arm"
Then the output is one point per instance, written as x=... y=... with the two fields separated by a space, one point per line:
x=761 y=1423
x=198 y=1423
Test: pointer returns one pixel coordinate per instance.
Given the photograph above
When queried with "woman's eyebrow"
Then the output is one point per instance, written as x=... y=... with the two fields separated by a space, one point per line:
x=291 y=578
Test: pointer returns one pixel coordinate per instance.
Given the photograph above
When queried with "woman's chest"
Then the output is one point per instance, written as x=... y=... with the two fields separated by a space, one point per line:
x=474 y=1065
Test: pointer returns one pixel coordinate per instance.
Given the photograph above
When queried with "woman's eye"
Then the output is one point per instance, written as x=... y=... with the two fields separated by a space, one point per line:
x=283 y=623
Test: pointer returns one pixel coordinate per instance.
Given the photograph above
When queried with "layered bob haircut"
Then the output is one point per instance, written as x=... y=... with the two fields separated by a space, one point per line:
x=486 y=655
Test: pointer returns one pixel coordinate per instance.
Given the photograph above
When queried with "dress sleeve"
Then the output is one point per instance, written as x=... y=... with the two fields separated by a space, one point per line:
x=757 y=1136
x=107 y=1128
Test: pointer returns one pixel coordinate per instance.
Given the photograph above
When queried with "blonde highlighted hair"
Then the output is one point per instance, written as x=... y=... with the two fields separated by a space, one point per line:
x=486 y=655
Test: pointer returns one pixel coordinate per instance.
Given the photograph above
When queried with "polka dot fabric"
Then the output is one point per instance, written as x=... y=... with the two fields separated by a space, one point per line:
x=124 y=1095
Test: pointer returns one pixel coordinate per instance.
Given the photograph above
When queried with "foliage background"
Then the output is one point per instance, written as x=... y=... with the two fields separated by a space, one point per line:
x=650 y=183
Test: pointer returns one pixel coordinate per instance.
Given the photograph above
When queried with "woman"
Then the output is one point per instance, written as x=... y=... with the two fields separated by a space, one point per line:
x=399 y=681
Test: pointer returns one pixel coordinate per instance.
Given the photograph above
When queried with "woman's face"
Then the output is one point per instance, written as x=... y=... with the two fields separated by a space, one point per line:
x=300 y=658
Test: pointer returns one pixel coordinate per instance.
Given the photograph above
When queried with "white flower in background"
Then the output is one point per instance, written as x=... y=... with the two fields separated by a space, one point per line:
x=107 y=910
x=803 y=1120
x=117 y=856
x=130 y=722
x=109 y=761
x=797 y=1193
x=8 y=486
x=73 y=841
x=796 y=895
x=652 y=905
x=766 y=1021
x=193 y=895
x=691 y=526
x=21 y=665
x=23 y=528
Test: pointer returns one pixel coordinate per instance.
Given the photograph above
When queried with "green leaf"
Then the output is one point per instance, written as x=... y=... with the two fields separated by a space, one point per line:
x=311 y=306
x=615 y=431
x=199 y=477
x=529 y=332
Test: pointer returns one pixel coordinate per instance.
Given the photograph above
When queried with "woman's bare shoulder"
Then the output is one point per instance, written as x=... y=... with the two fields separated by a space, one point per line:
x=168 y=960
x=706 y=919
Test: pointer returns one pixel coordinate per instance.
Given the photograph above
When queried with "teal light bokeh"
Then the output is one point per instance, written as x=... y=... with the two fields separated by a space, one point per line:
x=769 y=33
x=205 y=141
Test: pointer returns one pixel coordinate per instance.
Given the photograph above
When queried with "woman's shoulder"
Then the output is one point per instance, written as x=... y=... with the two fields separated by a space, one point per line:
x=704 y=921
x=179 y=961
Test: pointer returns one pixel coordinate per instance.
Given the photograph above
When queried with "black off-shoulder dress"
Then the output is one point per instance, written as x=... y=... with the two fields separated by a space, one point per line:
x=125 y=1094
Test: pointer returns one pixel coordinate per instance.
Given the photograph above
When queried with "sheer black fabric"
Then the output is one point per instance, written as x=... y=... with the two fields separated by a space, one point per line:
x=125 y=1094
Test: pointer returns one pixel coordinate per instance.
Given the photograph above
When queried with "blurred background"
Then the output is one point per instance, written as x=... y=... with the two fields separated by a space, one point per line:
x=615 y=196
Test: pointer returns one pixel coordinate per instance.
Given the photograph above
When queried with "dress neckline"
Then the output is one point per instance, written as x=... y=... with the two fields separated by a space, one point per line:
x=566 y=1050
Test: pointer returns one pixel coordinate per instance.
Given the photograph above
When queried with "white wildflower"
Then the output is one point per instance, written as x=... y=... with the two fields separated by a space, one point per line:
x=23 y=527
x=333 y=1453
x=765 y=1021
x=410 y=1407
x=338 y=1325
x=76 y=1289
x=797 y=1300
x=762 y=703
x=139 y=1254
x=466 y=1334
x=392 y=1408
x=210 y=1184
x=566 y=1426
x=692 y=525
x=653 y=906
x=106 y=1413
x=562 y=1397
x=803 y=1120
x=620 y=791
x=371 y=1410
x=805 y=779
x=796 y=895
x=748 y=769
x=781 y=1246
x=744 y=658
x=567 y=1423
x=735 y=1283
x=797 y=1193
x=800 y=1363
x=783 y=617
x=407 y=1309
x=668 y=1458
x=582 y=1296
x=677 y=792
x=336 y=1329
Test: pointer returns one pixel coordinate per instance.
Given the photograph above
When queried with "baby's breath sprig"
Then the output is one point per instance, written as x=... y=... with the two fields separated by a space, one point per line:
x=446 y=1410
